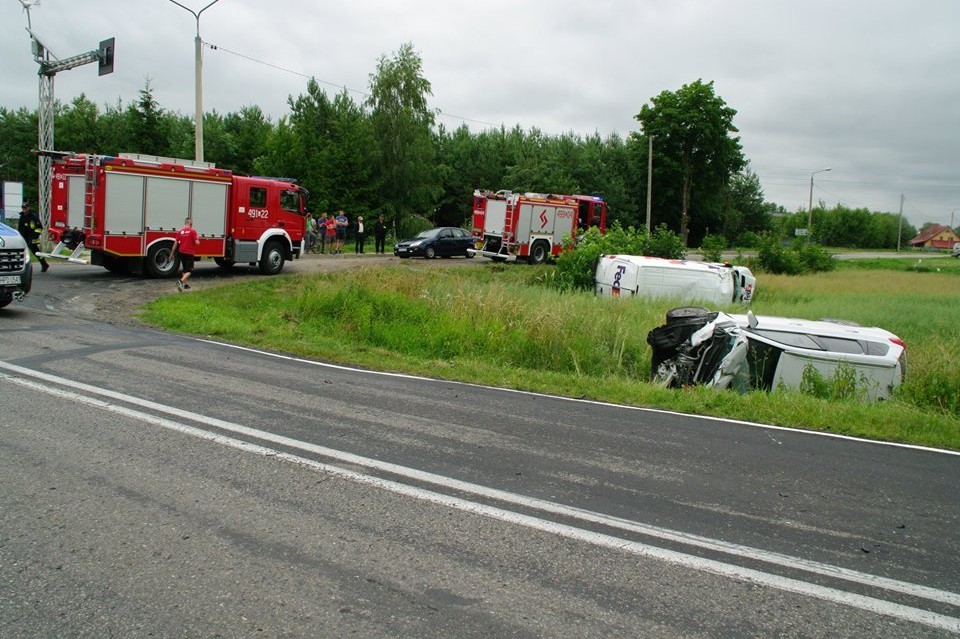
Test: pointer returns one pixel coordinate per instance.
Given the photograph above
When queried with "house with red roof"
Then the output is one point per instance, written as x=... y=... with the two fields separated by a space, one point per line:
x=936 y=237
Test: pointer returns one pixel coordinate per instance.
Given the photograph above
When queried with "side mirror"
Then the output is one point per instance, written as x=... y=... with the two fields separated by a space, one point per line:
x=751 y=319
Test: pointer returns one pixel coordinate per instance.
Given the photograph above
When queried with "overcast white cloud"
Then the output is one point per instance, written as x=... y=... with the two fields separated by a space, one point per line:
x=868 y=88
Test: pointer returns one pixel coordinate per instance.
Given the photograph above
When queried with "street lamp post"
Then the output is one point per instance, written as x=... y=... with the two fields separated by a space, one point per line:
x=198 y=115
x=810 y=205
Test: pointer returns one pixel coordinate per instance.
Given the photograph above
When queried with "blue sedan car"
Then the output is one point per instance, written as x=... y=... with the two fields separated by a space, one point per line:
x=445 y=241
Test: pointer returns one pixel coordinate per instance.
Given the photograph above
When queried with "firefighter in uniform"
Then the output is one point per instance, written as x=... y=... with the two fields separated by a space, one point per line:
x=31 y=229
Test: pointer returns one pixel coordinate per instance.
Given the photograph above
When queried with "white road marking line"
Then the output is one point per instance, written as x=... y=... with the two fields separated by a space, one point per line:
x=658 y=411
x=786 y=584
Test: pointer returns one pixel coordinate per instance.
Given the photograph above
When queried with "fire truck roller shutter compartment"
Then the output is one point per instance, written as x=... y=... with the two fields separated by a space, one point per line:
x=75 y=201
x=209 y=208
x=123 y=210
x=496 y=216
x=168 y=203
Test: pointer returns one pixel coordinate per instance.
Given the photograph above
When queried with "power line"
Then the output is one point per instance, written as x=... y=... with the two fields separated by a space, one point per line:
x=365 y=94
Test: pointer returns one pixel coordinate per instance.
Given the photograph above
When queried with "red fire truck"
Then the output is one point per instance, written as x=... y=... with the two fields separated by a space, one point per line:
x=531 y=226
x=125 y=209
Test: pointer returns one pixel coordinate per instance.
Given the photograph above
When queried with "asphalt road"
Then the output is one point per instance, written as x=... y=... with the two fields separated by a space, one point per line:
x=167 y=486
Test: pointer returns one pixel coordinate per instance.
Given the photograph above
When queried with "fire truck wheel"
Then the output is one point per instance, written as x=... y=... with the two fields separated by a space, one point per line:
x=224 y=263
x=430 y=253
x=538 y=253
x=160 y=261
x=273 y=258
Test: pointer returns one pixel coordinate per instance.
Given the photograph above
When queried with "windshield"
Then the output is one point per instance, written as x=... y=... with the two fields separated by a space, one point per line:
x=423 y=235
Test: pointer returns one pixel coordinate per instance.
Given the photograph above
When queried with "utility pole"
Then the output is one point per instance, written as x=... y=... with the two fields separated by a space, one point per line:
x=810 y=206
x=198 y=82
x=649 y=182
x=900 y=225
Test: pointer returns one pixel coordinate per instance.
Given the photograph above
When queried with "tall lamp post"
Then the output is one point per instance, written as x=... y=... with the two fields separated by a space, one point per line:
x=198 y=49
x=810 y=205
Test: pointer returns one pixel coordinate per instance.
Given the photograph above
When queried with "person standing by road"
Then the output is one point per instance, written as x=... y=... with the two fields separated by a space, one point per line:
x=331 y=233
x=358 y=248
x=31 y=229
x=322 y=231
x=379 y=234
x=185 y=242
x=341 y=223
x=311 y=236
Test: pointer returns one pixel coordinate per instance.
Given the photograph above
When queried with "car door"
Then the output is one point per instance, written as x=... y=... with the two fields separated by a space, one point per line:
x=445 y=242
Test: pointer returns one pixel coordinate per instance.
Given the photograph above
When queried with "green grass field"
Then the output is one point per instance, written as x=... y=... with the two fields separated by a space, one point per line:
x=500 y=325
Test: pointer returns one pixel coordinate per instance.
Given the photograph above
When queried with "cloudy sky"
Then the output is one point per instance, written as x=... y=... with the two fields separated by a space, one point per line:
x=869 y=88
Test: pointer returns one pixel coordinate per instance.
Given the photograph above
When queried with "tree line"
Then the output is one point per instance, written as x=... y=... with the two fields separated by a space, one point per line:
x=387 y=154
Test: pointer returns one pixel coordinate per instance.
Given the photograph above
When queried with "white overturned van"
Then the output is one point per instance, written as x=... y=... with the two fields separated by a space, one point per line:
x=640 y=275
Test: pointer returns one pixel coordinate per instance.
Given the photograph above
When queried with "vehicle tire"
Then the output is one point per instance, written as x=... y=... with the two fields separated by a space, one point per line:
x=687 y=314
x=5 y=299
x=273 y=259
x=224 y=263
x=538 y=253
x=468 y=255
x=430 y=253
x=160 y=261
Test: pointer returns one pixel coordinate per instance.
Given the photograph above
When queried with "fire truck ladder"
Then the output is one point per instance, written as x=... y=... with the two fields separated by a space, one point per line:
x=89 y=190
x=91 y=163
x=509 y=225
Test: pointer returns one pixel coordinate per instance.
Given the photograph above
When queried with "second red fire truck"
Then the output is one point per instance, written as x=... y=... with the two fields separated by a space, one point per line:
x=531 y=226
x=125 y=210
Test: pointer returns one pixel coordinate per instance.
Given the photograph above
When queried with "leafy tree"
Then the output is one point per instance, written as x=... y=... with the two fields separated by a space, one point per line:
x=18 y=135
x=147 y=129
x=402 y=125
x=744 y=208
x=249 y=131
x=112 y=130
x=77 y=127
x=331 y=151
x=695 y=151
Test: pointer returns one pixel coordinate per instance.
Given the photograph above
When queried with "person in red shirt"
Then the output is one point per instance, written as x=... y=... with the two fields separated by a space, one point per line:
x=185 y=243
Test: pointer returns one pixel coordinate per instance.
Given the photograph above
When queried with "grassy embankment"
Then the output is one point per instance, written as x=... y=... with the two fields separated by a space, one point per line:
x=499 y=325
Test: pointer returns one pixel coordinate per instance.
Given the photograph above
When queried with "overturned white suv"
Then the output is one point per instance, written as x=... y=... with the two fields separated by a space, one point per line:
x=697 y=346
x=16 y=271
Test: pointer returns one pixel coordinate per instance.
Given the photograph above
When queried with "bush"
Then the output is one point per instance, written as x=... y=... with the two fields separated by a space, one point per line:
x=772 y=257
x=712 y=248
x=748 y=239
x=815 y=258
x=801 y=257
x=664 y=243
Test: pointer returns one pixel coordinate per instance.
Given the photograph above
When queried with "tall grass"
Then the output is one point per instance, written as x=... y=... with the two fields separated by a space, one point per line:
x=500 y=325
